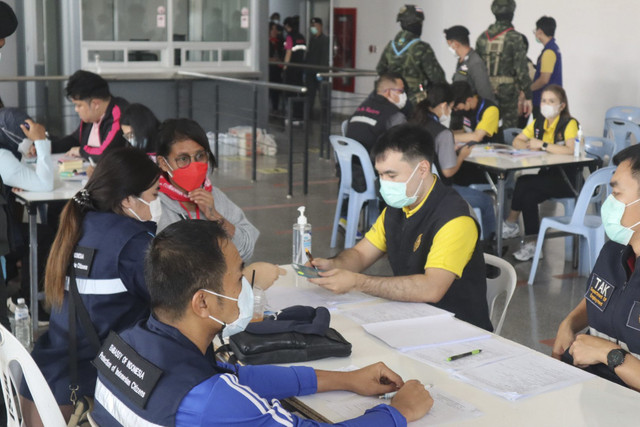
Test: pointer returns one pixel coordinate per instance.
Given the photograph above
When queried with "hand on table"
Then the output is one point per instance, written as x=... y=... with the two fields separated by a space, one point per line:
x=564 y=338
x=266 y=274
x=535 y=144
x=373 y=380
x=337 y=280
x=412 y=400
x=464 y=151
x=589 y=350
x=73 y=152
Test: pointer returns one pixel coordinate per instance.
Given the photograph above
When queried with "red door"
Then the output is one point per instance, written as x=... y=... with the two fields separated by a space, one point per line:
x=344 y=54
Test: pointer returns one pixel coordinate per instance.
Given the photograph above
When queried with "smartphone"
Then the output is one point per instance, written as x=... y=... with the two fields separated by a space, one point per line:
x=304 y=271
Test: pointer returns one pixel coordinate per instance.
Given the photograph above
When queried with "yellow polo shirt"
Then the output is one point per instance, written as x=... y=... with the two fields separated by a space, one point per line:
x=489 y=121
x=570 y=132
x=452 y=245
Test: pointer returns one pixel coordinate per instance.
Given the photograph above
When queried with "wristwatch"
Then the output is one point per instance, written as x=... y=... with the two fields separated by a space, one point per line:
x=544 y=146
x=615 y=358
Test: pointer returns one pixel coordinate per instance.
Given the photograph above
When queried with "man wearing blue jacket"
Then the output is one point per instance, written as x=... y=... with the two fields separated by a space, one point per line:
x=162 y=370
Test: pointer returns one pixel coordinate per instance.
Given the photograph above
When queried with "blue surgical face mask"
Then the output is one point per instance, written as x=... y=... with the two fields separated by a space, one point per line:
x=611 y=212
x=395 y=193
x=245 y=308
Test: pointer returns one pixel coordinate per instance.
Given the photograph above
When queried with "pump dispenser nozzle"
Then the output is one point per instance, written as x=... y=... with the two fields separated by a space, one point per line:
x=302 y=219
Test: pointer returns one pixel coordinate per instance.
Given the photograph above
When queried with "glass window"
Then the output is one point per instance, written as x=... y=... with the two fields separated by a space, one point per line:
x=211 y=20
x=124 y=20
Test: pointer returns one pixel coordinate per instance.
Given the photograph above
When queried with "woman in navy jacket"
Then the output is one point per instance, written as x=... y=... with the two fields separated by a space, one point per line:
x=105 y=230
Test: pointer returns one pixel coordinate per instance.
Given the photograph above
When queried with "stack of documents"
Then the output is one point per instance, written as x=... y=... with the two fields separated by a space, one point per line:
x=69 y=165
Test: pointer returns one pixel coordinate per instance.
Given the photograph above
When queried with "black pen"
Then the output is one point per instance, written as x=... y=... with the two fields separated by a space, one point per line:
x=461 y=355
x=253 y=278
x=310 y=258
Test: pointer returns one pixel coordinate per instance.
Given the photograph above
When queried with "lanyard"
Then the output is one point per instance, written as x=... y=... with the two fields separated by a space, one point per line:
x=189 y=213
x=478 y=113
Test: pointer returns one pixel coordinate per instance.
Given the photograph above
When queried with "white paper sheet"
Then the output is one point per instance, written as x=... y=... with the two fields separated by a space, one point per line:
x=311 y=295
x=493 y=350
x=393 y=310
x=416 y=333
x=446 y=408
x=523 y=376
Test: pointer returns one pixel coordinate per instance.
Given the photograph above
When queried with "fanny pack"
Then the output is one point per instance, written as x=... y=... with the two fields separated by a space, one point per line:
x=295 y=334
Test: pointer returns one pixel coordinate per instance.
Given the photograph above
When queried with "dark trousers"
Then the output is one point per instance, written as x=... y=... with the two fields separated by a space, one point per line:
x=532 y=190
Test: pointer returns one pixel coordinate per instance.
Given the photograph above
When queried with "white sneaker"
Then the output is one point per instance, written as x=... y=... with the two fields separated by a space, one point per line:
x=510 y=230
x=526 y=252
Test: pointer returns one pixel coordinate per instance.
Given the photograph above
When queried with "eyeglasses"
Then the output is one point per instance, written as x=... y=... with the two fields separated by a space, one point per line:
x=185 y=160
x=396 y=90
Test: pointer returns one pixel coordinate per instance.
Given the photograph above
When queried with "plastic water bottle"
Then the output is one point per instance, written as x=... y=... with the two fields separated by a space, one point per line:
x=301 y=238
x=577 y=146
x=23 y=324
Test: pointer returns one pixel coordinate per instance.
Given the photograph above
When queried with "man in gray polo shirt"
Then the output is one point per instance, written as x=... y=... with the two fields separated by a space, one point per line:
x=470 y=67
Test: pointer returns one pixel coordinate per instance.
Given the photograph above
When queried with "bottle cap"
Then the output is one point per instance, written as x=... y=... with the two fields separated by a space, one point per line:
x=302 y=219
x=20 y=301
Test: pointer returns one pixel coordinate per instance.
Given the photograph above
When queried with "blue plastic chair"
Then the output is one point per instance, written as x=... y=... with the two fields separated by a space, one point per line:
x=345 y=149
x=623 y=112
x=600 y=148
x=509 y=134
x=621 y=131
x=589 y=227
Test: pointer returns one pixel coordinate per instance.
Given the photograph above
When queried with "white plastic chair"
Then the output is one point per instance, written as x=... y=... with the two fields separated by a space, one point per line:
x=343 y=127
x=12 y=356
x=504 y=282
x=588 y=226
x=345 y=149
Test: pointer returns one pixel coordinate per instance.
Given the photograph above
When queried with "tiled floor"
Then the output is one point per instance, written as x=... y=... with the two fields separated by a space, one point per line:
x=535 y=311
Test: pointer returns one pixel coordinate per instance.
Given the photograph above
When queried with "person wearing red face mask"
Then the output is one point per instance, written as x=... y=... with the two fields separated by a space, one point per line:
x=186 y=191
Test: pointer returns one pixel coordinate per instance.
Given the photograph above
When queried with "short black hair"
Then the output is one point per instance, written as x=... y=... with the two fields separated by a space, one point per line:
x=413 y=141
x=178 y=130
x=293 y=22
x=316 y=20
x=144 y=125
x=437 y=93
x=631 y=153
x=388 y=77
x=458 y=33
x=183 y=258
x=461 y=92
x=548 y=25
x=84 y=85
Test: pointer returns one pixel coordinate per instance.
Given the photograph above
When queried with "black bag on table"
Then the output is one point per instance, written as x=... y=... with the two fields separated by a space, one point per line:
x=295 y=334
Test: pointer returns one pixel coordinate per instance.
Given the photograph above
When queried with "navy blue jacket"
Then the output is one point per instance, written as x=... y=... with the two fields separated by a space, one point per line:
x=556 y=75
x=194 y=390
x=114 y=294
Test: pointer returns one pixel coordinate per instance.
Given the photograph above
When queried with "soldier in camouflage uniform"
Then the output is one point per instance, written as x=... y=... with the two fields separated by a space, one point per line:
x=410 y=57
x=503 y=50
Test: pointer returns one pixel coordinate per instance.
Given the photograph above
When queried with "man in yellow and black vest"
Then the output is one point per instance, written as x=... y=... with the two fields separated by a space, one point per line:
x=427 y=230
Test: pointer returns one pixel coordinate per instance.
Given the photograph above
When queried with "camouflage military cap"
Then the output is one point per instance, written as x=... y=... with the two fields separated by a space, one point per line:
x=410 y=14
x=503 y=6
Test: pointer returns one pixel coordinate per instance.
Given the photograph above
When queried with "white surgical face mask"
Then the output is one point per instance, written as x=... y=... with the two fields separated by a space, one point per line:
x=245 y=309
x=155 y=208
x=549 y=111
x=453 y=51
x=445 y=119
x=25 y=146
x=402 y=101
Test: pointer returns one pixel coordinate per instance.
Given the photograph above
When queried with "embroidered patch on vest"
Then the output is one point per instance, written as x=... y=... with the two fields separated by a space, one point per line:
x=82 y=260
x=129 y=372
x=634 y=316
x=417 y=243
x=599 y=292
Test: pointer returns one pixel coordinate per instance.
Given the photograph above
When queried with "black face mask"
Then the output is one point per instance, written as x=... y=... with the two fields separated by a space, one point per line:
x=415 y=28
x=507 y=17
